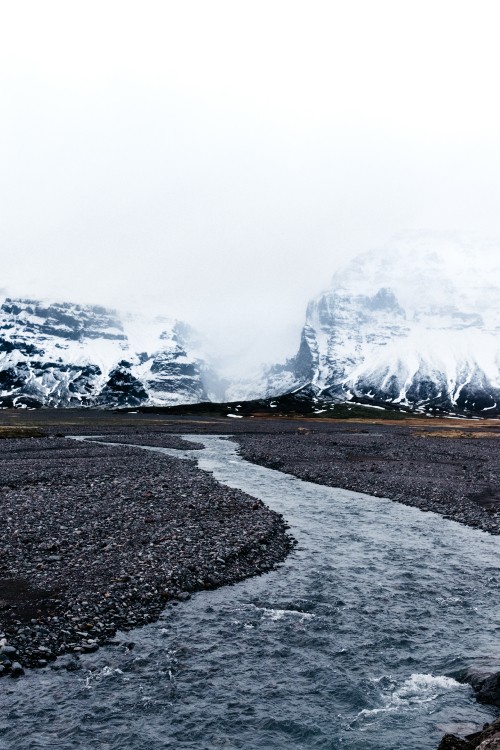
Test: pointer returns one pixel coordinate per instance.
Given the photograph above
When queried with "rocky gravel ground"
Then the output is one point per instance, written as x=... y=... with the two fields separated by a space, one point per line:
x=157 y=440
x=451 y=473
x=98 y=538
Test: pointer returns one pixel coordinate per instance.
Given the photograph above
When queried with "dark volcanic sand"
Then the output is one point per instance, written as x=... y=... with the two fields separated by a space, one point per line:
x=96 y=538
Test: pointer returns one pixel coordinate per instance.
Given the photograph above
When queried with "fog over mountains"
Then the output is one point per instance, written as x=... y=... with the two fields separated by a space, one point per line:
x=411 y=326
x=414 y=325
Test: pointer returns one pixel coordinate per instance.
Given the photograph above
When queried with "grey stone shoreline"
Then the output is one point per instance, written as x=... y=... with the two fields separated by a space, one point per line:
x=96 y=539
x=453 y=472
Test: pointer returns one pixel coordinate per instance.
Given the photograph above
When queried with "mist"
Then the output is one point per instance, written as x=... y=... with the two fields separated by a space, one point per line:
x=218 y=162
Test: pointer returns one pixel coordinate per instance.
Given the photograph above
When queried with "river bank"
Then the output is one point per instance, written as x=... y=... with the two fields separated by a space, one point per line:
x=96 y=539
x=449 y=466
x=453 y=471
x=355 y=638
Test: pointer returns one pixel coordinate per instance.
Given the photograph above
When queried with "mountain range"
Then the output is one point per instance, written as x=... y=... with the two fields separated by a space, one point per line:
x=413 y=326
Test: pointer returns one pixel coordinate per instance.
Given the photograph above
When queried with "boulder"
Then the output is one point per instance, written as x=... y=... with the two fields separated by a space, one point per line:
x=487 y=739
x=484 y=678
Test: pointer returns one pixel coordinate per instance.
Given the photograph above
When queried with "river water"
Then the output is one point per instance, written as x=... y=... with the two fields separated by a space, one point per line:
x=350 y=644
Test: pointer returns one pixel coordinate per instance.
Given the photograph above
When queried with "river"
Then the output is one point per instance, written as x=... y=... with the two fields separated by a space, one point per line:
x=351 y=643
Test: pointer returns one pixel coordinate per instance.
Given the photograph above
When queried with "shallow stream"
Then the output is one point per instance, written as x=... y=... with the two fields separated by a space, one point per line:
x=350 y=644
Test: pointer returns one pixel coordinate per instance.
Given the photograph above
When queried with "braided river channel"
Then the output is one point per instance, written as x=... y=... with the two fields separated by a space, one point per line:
x=352 y=643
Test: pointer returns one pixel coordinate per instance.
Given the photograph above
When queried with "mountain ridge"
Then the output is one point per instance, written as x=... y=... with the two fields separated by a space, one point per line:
x=409 y=326
x=66 y=354
x=419 y=332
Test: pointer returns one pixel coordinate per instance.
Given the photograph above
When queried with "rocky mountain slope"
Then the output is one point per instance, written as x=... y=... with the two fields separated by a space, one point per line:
x=416 y=325
x=63 y=354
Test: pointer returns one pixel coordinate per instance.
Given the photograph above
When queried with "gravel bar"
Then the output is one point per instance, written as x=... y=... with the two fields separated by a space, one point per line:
x=99 y=538
x=452 y=472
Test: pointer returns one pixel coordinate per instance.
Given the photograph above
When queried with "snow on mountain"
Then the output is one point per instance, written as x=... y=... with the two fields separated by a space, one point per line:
x=416 y=325
x=64 y=354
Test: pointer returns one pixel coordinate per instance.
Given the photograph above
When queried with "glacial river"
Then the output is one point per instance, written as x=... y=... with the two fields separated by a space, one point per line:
x=350 y=644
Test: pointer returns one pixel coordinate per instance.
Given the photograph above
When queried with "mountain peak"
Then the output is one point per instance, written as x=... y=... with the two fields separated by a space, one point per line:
x=415 y=324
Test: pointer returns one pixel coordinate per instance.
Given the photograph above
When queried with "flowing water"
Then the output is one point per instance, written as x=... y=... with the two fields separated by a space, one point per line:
x=350 y=644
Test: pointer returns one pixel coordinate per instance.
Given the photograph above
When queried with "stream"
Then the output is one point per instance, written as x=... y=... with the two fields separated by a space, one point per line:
x=351 y=643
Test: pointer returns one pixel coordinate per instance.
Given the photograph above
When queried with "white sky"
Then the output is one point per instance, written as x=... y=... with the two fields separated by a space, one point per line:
x=217 y=161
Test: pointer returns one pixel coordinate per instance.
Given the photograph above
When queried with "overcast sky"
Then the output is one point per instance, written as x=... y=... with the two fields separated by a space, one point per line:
x=217 y=161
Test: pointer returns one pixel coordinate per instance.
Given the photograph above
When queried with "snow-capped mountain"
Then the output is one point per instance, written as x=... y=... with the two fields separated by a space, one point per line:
x=64 y=354
x=416 y=325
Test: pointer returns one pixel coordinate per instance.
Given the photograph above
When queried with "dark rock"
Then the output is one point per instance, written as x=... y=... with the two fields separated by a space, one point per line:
x=123 y=389
x=70 y=662
x=485 y=681
x=89 y=648
x=16 y=670
x=452 y=742
x=487 y=739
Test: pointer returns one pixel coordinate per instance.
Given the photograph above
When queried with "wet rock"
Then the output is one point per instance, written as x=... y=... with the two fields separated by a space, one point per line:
x=452 y=742
x=70 y=662
x=89 y=648
x=484 y=678
x=492 y=743
x=487 y=739
x=16 y=670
